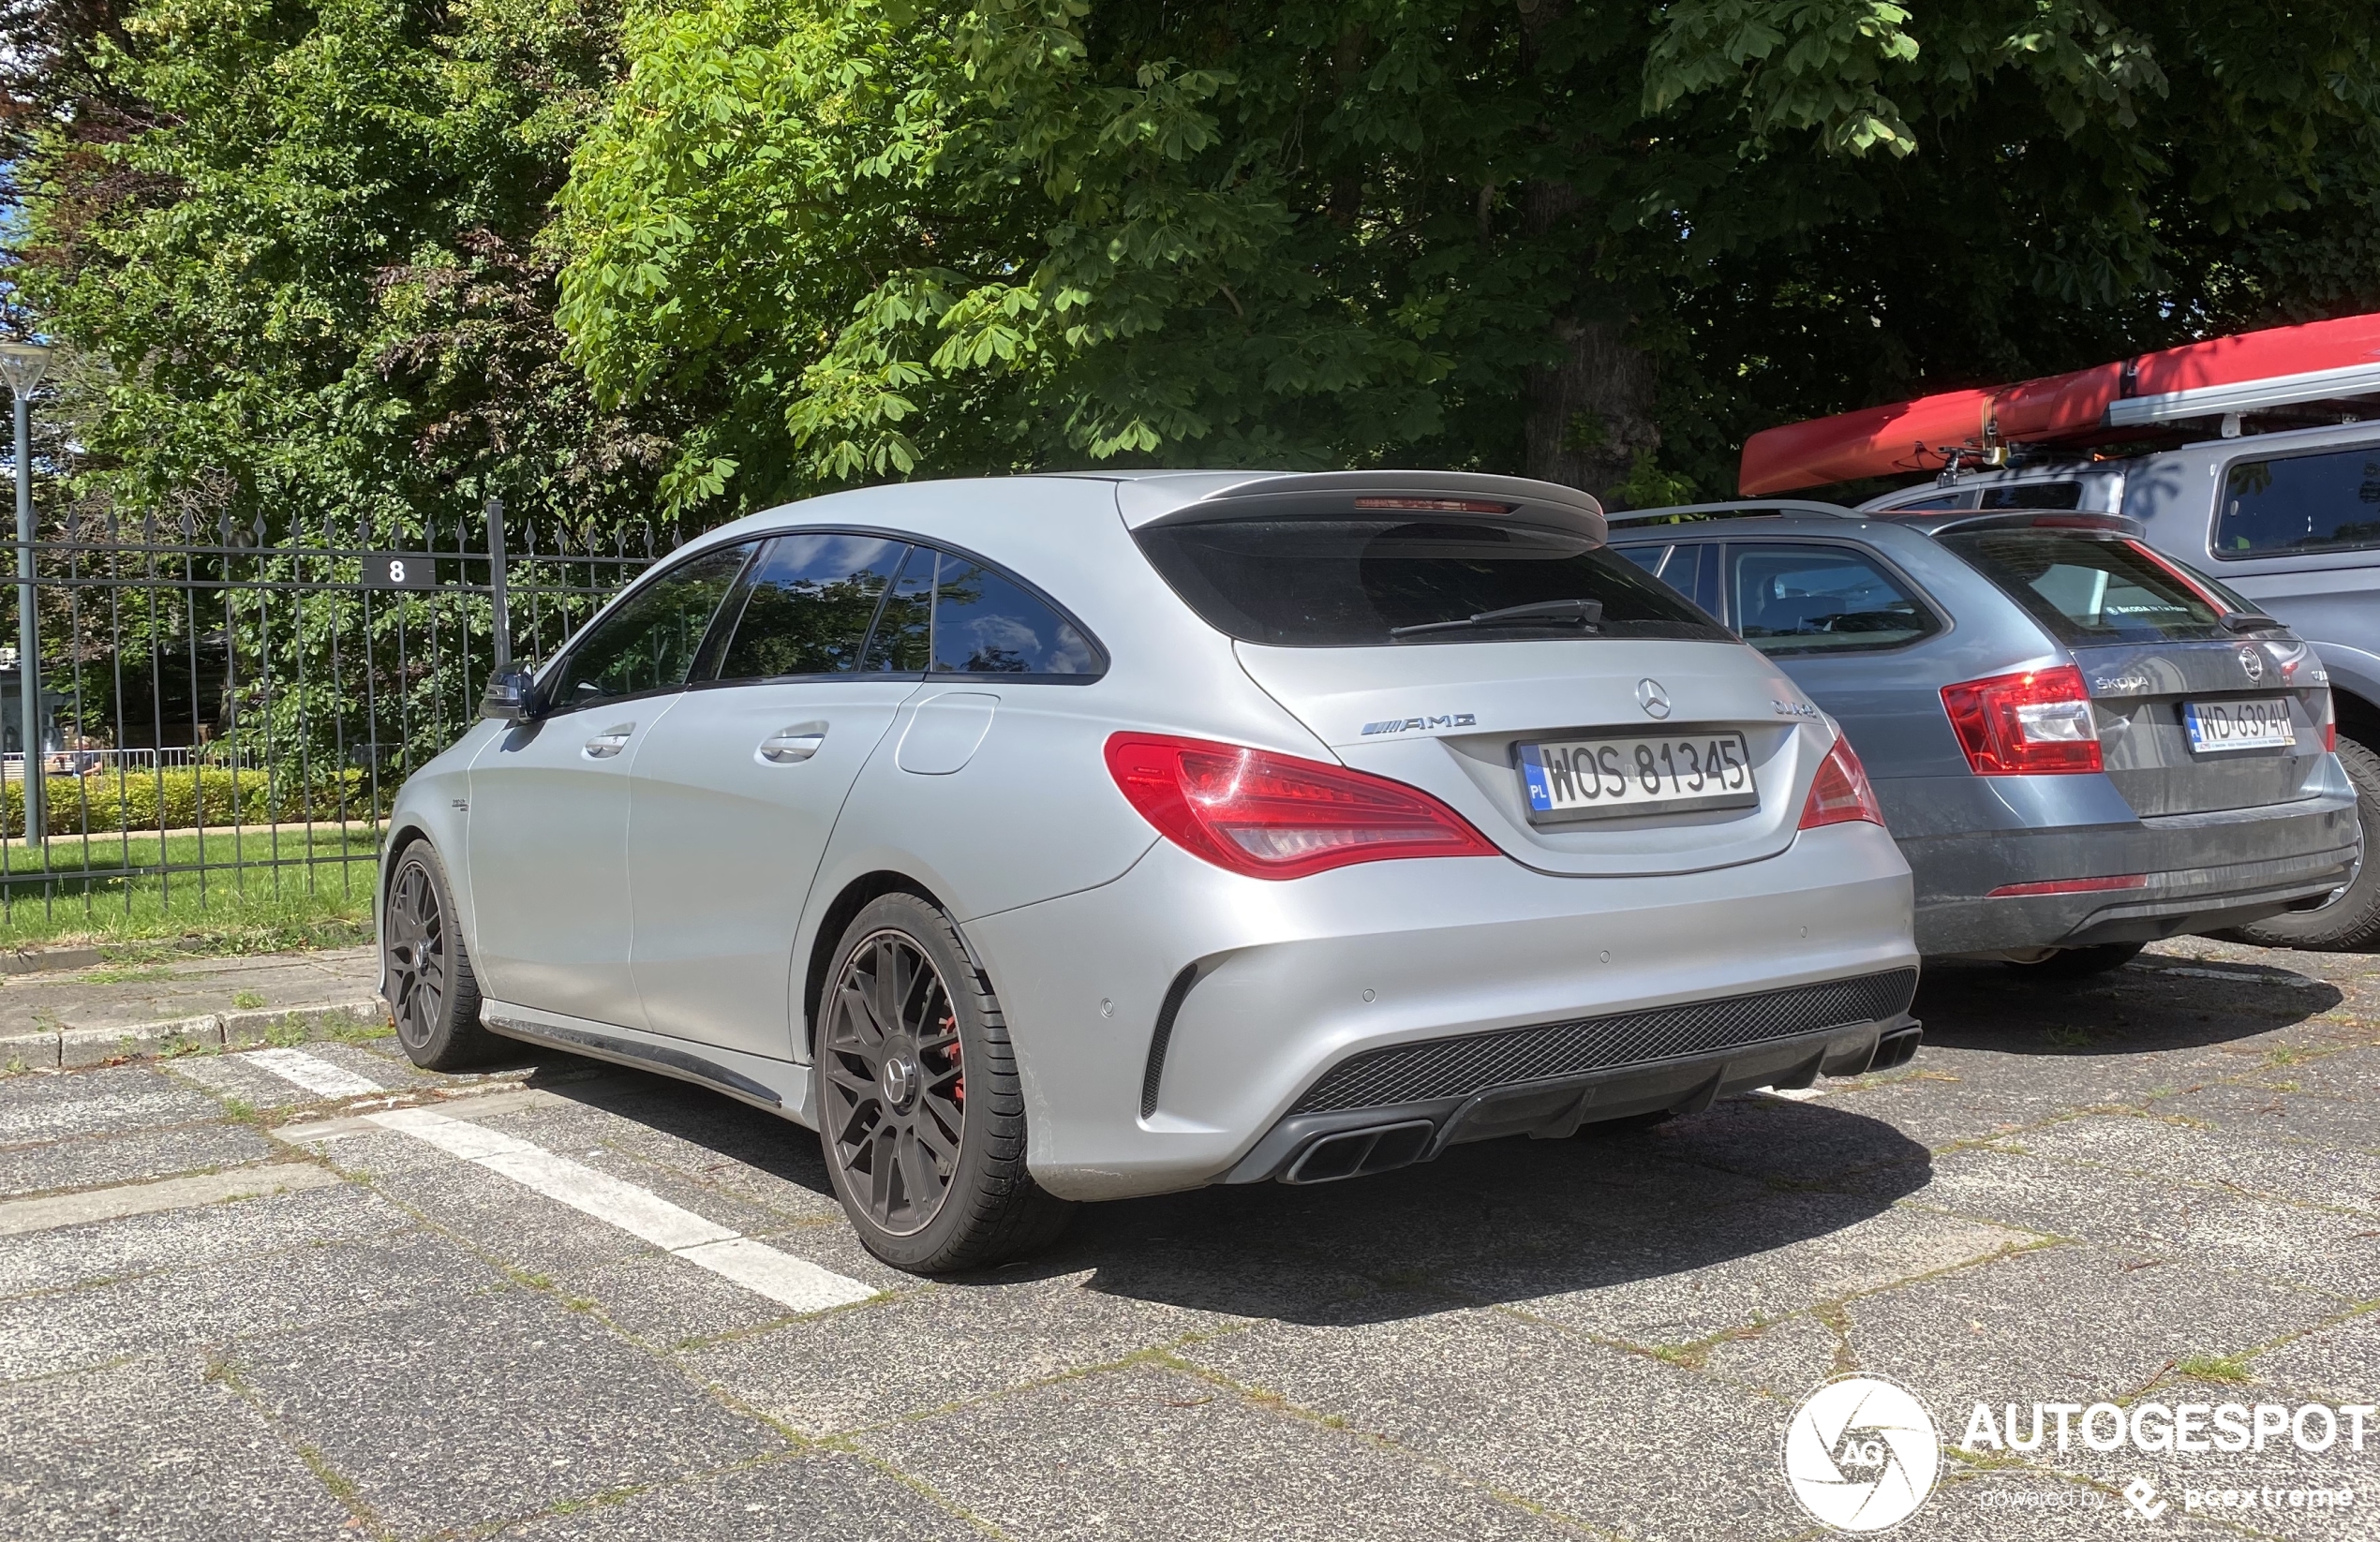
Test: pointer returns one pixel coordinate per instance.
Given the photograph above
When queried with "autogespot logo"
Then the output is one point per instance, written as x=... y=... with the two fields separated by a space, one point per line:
x=1862 y=1454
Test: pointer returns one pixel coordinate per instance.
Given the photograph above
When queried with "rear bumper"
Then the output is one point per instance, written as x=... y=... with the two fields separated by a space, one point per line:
x=1217 y=1003
x=1308 y=1146
x=2204 y=871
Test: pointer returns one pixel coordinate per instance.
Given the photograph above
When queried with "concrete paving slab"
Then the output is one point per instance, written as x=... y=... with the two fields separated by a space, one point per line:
x=934 y=1347
x=2299 y=1171
x=2281 y=1104
x=154 y=1450
x=254 y=1295
x=121 y=994
x=831 y=1496
x=1750 y=1263
x=2042 y=1507
x=2339 y=1362
x=20 y=1216
x=94 y=1161
x=1148 y=1453
x=1602 y=1436
x=210 y=1232
x=109 y=1100
x=2074 y=1323
x=464 y=1411
x=2297 y=1244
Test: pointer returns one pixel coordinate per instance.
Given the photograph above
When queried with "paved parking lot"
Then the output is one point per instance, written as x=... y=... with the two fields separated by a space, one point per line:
x=266 y=1295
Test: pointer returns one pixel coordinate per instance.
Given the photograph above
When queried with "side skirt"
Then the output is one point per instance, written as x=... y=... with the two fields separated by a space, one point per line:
x=780 y=1086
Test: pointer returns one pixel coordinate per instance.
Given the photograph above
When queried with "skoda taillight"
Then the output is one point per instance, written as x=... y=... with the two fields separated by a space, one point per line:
x=1277 y=816
x=2038 y=722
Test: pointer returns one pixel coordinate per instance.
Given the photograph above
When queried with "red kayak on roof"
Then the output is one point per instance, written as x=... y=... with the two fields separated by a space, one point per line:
x=2251 y=371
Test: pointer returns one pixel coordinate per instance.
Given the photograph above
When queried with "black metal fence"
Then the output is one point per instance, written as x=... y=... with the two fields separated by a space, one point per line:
x=225 y=715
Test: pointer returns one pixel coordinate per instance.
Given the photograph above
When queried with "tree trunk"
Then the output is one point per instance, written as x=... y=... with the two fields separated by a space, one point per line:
x=1589 y=412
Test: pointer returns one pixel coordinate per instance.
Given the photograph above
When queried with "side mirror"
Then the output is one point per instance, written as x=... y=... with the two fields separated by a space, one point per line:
x=511 y=696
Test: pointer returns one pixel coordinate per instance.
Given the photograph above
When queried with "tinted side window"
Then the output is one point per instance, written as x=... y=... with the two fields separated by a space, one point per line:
x=807 y=603
x=2303 y=503
x=1646 y=558
x=1692 y=571
x=2034 y=495
x=1793 y=598
x=649 y=641
x=903 y=639
x=986 y=625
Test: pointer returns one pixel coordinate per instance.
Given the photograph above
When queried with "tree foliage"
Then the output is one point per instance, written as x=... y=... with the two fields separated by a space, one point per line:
x=297 y=252
x=858 y=238
x=308 y=249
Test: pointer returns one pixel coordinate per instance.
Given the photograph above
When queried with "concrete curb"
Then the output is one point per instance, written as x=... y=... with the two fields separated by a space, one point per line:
x=58 y=1048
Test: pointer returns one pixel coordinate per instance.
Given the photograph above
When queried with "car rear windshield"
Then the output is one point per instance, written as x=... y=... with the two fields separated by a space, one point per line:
x=1331 y=581
x=2088 y=589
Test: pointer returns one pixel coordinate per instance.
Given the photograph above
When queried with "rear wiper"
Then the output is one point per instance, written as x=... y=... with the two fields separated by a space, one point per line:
x=1549 y=613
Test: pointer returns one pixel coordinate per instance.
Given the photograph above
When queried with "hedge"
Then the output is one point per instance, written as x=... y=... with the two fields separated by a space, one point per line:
x=100 y=802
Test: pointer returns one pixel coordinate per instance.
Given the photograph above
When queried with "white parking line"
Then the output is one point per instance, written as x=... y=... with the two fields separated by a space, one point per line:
x=758 y=1267
x=312 y=1071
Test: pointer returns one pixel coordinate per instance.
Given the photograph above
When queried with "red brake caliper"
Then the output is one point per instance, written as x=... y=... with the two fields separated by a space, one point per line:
x=959 y=1088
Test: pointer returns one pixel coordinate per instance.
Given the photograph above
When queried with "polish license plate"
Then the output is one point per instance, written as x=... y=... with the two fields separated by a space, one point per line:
x=1607 y=776
x=2218 y=727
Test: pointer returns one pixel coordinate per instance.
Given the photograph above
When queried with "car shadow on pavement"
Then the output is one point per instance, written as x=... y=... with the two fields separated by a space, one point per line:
x=2157 y=1003
x=1631 y=1217
x=1636 y=1217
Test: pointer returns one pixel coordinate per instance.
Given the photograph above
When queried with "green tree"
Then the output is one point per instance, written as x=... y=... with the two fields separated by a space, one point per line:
x=854 y=239
x=299 y=250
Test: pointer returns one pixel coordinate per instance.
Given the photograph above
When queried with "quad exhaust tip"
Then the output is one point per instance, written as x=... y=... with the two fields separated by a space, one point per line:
x=1896 y=1048
x=1355 y=1153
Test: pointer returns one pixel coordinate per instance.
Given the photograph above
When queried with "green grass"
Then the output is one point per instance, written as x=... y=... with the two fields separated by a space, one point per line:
x=291 y=891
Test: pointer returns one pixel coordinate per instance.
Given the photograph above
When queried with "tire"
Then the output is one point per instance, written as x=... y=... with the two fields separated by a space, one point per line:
x=2352 y=921
x=431 y=990
x=920 y=1113
x=2082 y=963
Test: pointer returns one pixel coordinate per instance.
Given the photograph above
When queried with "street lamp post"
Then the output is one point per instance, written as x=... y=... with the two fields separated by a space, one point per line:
x=22 y=364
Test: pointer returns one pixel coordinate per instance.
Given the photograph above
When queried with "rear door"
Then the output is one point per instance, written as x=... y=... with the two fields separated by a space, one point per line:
x=2192 y=716
x=1377 y=630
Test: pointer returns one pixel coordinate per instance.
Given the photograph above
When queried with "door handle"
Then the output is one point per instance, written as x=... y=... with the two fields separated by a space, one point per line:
x=610 y=742
x=792 y=745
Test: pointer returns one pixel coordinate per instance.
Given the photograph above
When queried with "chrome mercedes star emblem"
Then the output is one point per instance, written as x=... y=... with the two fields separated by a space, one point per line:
x=1652 y=698
x=2251 y=659
x=899 y=1080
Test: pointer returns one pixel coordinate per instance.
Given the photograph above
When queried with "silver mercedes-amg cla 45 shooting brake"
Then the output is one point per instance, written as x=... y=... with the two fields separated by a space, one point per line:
x=1073 y=837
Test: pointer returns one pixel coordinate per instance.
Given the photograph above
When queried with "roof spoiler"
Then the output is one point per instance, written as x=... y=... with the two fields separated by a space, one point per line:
x=1681 y=512
x=1286 y=494
x=2038 y=519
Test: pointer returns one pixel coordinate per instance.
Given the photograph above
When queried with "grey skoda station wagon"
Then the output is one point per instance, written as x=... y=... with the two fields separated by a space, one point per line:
x=2081 y=745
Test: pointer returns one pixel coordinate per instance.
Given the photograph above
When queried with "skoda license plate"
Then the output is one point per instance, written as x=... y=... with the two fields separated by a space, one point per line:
x=2215 y=727
x=1601 y=777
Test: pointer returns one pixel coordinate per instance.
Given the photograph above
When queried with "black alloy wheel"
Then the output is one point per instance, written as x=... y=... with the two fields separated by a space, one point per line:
x=920 y=1109
x=895 y=1081
x=430 y=988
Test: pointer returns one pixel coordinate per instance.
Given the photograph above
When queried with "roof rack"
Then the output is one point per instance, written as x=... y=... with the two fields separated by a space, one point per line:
x=1683 y=512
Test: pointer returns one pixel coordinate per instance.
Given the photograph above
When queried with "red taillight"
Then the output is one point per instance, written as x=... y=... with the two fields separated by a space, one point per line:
x=1839 y=794
x=2035 y=723
x=1276 y=816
